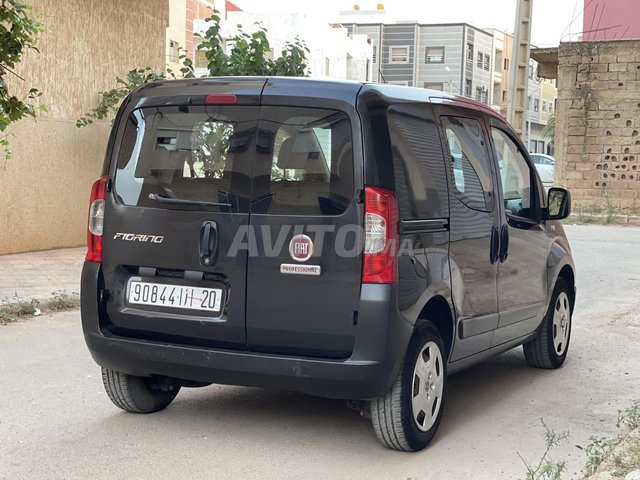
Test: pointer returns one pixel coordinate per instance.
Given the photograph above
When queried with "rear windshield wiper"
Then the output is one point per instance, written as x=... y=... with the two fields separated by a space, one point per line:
x=182 y=201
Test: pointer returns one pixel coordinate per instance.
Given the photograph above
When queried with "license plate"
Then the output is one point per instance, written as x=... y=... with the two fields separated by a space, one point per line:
x=175 y=296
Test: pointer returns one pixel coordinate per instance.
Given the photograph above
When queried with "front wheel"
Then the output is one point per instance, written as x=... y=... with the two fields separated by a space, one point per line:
x=408 y=415
x=138 y=394
x=548 y=349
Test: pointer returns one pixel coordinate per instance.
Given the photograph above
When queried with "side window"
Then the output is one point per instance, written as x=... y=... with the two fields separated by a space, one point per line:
x=469 y=162
x=515 y=176
x=419 y=166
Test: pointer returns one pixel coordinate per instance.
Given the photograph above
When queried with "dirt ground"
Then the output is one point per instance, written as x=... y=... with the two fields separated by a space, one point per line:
x=56 y=421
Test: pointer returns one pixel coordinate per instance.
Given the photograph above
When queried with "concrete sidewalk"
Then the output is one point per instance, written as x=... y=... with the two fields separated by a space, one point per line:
x=38 y=274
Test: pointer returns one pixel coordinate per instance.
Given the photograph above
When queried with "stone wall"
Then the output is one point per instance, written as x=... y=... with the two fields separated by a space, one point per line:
x=598 y=125
x=45 y=187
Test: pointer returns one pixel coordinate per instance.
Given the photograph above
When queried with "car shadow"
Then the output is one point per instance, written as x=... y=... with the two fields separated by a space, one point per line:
x=254 y=413
x=486 y=383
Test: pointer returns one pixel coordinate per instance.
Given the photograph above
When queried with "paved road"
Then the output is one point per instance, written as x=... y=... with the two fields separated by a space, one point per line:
x=56 y=422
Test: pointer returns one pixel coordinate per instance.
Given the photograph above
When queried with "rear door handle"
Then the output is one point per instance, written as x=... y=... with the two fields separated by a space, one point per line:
x=208 y=242
x=495 y=245
x=504 y=243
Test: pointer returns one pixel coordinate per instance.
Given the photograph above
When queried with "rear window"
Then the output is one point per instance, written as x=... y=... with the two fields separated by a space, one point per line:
x=295 y=161
x=307 y=167
x=198 y=154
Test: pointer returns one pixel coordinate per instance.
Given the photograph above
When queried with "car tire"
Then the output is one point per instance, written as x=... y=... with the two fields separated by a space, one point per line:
x=408 y=415
x=548 y=349
x=137 y=394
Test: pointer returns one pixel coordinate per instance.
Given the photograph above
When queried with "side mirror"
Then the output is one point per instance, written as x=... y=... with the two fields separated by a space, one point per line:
x=559 y=203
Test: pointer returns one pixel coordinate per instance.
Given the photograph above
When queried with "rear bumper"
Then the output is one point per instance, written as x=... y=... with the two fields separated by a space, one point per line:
x=375 y=361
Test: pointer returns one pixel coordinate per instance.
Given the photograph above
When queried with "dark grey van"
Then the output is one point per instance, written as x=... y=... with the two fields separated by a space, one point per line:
x=348 y=240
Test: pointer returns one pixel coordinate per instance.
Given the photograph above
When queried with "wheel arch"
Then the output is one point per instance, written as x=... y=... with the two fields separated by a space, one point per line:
x=560 y=265
x=568 y=275
x=438 y=312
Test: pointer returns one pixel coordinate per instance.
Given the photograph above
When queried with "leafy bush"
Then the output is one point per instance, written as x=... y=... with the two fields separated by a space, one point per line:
x=18 y=33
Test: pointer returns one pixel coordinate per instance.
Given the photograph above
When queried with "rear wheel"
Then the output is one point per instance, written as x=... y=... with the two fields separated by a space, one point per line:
x=138 y=394
x=548 y=349
x=408 y=415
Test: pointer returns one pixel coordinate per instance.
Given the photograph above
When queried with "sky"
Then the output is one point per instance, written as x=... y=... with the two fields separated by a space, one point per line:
x=552 y=19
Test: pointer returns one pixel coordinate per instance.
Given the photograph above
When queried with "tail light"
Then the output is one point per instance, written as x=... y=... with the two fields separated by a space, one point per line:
x=381 y=236
x=96 y=220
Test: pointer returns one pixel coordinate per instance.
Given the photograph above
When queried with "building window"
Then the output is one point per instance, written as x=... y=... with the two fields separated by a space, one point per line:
x=201 y=59
x=434 y=55
x=551 y=105
x=327 y=66
x=375 y=54
x=506 y=64
x=468 y=86
x=434 y=86
x=398 y=54
x=544 y=106
x=536 y=105
x=469 y=52
x=529 y=102
x=487 y=62
x=497 y=66
x=480 y=59
x=482 y=95
x=504 y=95
x=174 y=51
x=530 y=71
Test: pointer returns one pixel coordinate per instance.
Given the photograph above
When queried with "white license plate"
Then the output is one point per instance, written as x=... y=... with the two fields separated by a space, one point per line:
x=175 y=296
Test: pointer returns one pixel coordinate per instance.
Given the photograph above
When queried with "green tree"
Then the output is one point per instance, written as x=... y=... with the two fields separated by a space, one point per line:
x=549 y=130
x=249 y=56
x=18 y=33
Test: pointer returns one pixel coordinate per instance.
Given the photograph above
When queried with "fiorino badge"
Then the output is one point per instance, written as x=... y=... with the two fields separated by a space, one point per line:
x=300 y=249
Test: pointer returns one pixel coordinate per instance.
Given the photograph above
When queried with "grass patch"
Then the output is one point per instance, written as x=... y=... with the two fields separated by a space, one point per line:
x=547 y=468
x=630 y=417
x=15 y=308
x=597 y=451
x=609 y=456
x=63 y=300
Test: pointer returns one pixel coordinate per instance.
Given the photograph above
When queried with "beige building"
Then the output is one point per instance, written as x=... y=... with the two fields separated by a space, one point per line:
x=44 y=188
x=176 y=40
x=184 y=15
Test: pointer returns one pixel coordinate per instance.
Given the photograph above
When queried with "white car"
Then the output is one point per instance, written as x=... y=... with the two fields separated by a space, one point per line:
x=544 y=165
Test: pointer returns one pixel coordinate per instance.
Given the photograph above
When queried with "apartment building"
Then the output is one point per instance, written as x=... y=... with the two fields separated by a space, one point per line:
x=457 y=58
x=333 y=51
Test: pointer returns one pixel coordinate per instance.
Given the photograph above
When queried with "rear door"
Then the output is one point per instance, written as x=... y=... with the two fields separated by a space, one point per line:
x=181 y=189
x=303 y=280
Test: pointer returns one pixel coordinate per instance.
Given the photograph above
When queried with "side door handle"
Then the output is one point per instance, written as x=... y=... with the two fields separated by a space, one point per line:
x=495 y=245
x=208 y=242
x=504 y=242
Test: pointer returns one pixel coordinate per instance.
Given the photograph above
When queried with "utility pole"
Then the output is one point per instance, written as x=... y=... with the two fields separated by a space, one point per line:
x=519 y=74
